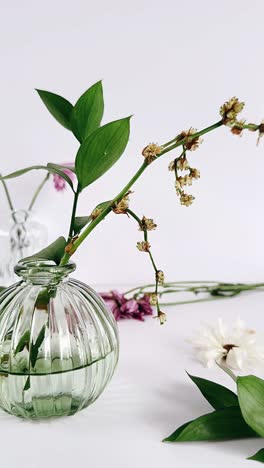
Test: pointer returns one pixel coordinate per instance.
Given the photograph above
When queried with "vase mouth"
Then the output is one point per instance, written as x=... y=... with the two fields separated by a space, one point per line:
x=45 y=272
x=18 y=215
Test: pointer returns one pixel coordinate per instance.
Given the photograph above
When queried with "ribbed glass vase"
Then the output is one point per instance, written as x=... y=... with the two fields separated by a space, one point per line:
x=58 y=343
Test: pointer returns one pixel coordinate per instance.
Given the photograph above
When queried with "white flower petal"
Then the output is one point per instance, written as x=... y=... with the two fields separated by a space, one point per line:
x=209 y=357
x=211 y=345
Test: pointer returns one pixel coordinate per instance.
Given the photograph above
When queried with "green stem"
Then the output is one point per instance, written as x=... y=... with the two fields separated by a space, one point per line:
x=176 y=143
x=206 y=299
x=102 y=215
x=199 y=286
x=252 y=127
x=131 y=182
x=37 y=192
x=74 y=207
x=9 y=201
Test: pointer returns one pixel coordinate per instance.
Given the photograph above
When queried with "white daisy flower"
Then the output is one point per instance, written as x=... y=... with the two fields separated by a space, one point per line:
x=238 y=349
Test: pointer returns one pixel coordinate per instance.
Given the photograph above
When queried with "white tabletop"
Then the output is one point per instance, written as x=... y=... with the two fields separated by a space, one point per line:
x=149 y=396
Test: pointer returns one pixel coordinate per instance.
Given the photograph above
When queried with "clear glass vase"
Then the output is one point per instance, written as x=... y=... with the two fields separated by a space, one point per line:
x=20 y=236
x=58 y=343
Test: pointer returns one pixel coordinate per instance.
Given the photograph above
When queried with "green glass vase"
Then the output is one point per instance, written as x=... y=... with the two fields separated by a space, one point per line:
x=58 y=343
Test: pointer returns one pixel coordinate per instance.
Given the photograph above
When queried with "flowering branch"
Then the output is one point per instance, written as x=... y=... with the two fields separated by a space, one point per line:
x=189 y=141
x=150 y=153
x=102 y=146
x=145 y=225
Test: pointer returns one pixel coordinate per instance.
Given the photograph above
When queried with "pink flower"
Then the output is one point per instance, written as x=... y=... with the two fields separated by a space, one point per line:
x=127 y=308
x=58 y=181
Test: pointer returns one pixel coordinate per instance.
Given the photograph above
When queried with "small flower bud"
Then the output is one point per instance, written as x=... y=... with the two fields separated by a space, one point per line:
x=186 y=199
x=69 y=246
x=143 y=246
x=153 y=299
x=171 y=165
x=162 y=317
x=160 y=277
x=191 y=143
x=194 y=173
x=182 y=164
x=188 y=180
x=178 y=186
x=230 y=109
x=150 y=152
x=238 y=127
x=147 y=224
x=180 y=182
x=96 y=212
x=121 y=206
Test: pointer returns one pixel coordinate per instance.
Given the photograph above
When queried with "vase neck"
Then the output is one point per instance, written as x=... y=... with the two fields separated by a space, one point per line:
x=43 y=272
x=20 y=216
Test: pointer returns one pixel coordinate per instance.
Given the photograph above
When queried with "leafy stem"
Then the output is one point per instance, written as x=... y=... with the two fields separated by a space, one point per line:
x=165 y=149
x=74 y=208
x=102 y=215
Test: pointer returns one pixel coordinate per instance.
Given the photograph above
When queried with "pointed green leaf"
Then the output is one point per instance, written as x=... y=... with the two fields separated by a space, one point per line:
x=88 y=112
x=259 y=456
x=58 y=106
x=79 y=223
x=53 y=168
x=250 y=391
x=223 y=424
x=101 y=150
x=54 y=251
x=217 y=395
x=2 y=288
x=27 y=385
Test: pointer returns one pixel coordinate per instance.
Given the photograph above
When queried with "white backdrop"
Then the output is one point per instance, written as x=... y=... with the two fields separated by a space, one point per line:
x=171 y=64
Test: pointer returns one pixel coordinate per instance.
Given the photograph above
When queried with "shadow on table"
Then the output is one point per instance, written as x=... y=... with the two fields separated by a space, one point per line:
x=176 y=404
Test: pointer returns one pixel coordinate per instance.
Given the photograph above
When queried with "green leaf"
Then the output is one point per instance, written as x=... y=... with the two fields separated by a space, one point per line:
x=50 y=168
x=2 y=288
x=54 y=251
x=251 y=400
x=259 y=456
x=222 y=424
x=59 y=107
x=88 y=112
x=101 y=150
x=23 y=342
x=217 y=395
x=79 y=223
x=27 y=385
